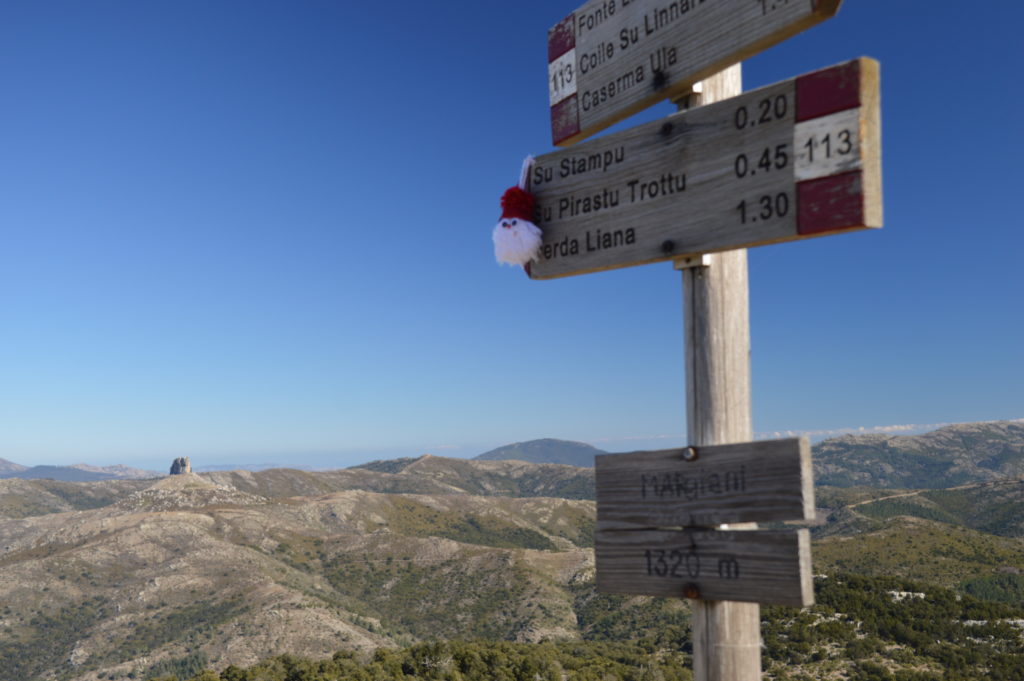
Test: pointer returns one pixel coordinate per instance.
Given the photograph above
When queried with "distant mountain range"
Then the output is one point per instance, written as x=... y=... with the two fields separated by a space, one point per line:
x=954 y=455
x=77 y=473
x=547 y=450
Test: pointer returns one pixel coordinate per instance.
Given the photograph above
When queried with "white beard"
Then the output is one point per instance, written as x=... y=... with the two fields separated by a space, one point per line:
x=517 y=244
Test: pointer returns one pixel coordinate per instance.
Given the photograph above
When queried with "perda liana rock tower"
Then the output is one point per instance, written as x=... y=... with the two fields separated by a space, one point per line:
x=181 y=465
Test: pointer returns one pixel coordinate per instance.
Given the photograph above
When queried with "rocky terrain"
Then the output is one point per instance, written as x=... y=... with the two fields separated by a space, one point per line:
x=189 y=565
x=489 y=477
x=424 y=475
x=20 y=498
x=194 y=572
x=954 y=455
x=119 y=579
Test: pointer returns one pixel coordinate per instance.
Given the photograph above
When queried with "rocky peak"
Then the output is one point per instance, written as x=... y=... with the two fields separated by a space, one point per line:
x=181 y=466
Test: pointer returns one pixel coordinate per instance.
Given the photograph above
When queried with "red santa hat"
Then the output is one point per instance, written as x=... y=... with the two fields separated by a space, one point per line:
x=517 y=240
x=517 y=203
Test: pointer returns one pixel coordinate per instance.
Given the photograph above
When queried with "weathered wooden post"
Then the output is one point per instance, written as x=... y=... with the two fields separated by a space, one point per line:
x=716 y=327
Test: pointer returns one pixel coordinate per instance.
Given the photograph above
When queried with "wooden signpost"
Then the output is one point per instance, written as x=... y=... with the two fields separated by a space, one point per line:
x=702 y=487
x=612 y=58
x=793 y=160
x=762 y=566
x=789 y=161
x=706 y=486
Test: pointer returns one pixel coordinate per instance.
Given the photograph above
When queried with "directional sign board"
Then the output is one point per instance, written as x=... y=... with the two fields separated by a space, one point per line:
x=706 y=486
x=789 y=161
x=761 y=566
x=611 y=58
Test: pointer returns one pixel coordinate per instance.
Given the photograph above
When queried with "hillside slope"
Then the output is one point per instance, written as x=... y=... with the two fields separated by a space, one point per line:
x=951 y=456
x=188 y=566
x=146 y=579
x=423 y=475
x=10 y=467
x=20 y=498
x=995 y=507
x=920 y=549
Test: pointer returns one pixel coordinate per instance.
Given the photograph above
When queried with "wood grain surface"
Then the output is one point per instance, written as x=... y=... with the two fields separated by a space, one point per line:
x=612 y=58
x=762 y=481
x=758 y=566
x=719 y=177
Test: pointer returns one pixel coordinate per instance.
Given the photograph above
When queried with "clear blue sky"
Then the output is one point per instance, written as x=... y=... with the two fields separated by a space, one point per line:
x=260 y=231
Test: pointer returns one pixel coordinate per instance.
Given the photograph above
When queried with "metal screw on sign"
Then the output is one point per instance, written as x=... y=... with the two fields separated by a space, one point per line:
x=690 y=454
x=691 y=591
x=660 y=81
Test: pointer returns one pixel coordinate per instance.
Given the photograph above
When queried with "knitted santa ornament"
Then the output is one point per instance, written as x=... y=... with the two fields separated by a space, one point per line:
x=516 y=239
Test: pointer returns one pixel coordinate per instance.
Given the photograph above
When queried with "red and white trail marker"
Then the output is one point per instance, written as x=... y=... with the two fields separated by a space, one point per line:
x=612 y=58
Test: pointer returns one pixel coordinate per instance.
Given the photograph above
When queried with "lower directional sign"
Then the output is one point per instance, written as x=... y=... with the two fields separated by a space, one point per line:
x=793 y=160
x=761 y=566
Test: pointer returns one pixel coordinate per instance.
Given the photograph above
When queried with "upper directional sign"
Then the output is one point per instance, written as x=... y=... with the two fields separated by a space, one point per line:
x=612 y=58
x=793 y=160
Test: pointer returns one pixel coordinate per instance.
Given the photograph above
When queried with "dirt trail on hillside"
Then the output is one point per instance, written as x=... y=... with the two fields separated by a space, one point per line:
x=970 y=485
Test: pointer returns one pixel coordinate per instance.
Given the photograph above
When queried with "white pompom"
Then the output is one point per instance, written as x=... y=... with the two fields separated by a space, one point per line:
x=516 y=242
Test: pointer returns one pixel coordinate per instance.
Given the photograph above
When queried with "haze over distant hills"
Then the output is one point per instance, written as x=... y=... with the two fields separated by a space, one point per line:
x=77 y=473
x=952 y=455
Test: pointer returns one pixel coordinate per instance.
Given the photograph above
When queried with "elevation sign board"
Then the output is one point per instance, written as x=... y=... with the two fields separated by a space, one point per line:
x=793 y=160
x=611 y=58
x=760 y=566
x=763 y=481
